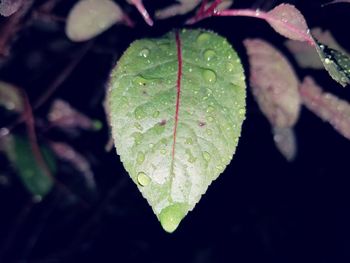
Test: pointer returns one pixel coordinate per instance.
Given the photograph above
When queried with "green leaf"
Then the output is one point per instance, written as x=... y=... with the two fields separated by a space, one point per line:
x=176 y=107
x=89 y=18
x=335 y=62
x=34 y=178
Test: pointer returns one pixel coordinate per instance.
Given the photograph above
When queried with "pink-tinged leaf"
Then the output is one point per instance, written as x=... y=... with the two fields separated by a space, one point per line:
x=179 y=8
x=89 y=18
x=142 y=10
x=64 y=116
x=10 y=98
x=326 y=106
x=9 y=7
x=78 y=161
x=289 y=22
x=285 y=142
x=307 y=56
x=274 y=83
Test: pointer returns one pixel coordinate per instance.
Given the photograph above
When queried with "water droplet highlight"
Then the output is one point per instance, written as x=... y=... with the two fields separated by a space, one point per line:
x=206 y=156
x=140 y=157
x=139 y=113
x=209 y=76
x=140 y=81
x=144 y=52
x=143 y=179
x=209 y=54
x=202 y=38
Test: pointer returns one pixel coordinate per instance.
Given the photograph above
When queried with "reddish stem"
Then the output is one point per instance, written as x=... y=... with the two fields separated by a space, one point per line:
x=268 y=18
x=178 y=86
x=141 y=8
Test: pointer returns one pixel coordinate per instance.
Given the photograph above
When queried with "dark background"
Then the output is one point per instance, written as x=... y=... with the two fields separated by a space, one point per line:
x=261 y=209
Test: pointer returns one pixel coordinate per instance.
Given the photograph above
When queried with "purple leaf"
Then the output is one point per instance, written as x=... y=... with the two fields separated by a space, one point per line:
x=78 y=161
x=326 y=106
x=64 y=116
x=289 y=22
x=180 y=8
x=285 y=142
x=336 y=1
x=9 y=7
x=275 y=87
x=274 y=83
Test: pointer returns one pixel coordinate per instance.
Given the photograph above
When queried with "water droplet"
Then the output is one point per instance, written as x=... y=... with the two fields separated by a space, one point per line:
x=209 y=76
x=143 y=179
x=190 y=69
x=191 y=158
x=210 y=119
x=144 y=52
x=327 y=61
x=151 y=145
x=202 y=38
x=210 y=109
x=209 y=132
x=138 y=126
x=189 y=141
x=219 y=167
x=155 y=114
x=138 y=137
x=140 y=81
x=163 y=151
x=209 y=54
x=230 y=67
x=206 y=156
x=241 y=111
x=139 y=113
x=140 y=157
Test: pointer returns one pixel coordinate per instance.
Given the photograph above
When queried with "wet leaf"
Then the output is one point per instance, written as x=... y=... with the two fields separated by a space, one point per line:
x=289 y=22
x=326 y=106
x=274 y=83
x=307 y=56
x=337 y=1
x=9 y=7
x=10 y=98
x=34 y=178
x=179 y=8
x=89 y=18
x=336 y=63
x=177 y=104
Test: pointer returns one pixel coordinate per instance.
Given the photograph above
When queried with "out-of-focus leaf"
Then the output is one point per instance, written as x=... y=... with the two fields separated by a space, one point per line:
x=307 y=56
x=274 y=83
x=142 y=10
x=62 y=115
x=179 y=8
x=289 y=22
x=177 y=104
x=34 y=178
x=285 y=141
x=9 y=7
x=326 y=106
x=10 y=98
x=78 y=161
x=88 y=18
x=275 y=87
x=336 y=63
x=337 y=1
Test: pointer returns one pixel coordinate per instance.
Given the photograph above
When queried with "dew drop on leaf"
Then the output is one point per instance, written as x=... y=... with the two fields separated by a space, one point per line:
x=209 y=54
x=209 y=76
x=144 y=52
x=143 y=179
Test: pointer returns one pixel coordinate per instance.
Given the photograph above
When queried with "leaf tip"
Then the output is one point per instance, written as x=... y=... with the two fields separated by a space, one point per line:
x=171 y=216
